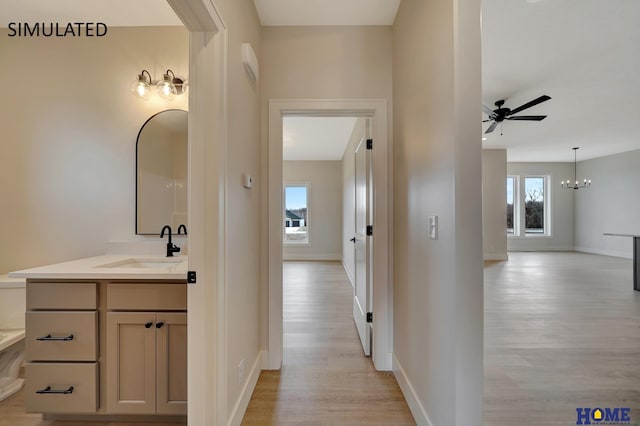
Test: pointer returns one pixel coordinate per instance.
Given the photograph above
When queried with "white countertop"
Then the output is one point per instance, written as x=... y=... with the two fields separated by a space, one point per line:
x=95 y=268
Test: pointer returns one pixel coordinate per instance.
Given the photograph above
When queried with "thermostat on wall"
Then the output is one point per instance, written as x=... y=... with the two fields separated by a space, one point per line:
x=247 y=181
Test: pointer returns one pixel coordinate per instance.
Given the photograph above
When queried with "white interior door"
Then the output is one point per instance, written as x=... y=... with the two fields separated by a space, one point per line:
x=362 y=289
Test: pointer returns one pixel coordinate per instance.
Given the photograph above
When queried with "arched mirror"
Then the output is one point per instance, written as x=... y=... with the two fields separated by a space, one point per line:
x=161 y=172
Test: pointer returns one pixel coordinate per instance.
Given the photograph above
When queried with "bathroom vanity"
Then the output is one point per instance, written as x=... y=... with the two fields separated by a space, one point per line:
x=107 y=336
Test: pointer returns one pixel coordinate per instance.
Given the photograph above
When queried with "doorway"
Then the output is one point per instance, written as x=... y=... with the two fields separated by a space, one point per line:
x=380 y=299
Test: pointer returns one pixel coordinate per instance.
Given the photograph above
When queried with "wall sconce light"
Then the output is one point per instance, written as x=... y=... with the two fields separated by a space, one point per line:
x=168 y=88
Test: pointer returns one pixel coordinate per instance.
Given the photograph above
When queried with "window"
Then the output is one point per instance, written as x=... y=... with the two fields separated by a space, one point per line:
x=511 y=196
x=296 y=214
x=534 y=189
x=527 y=205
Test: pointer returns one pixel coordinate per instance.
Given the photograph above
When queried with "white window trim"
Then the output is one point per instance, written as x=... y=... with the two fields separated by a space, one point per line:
x=307 y=242
x=519 y=203
x=516 y=206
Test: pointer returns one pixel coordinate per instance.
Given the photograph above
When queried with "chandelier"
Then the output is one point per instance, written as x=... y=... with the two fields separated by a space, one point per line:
x=576 y=184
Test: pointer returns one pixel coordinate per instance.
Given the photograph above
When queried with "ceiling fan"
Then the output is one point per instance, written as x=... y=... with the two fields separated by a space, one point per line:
x=500 y=114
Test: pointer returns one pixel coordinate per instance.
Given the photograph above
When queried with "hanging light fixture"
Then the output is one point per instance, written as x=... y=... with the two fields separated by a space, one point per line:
x=141 y=86
x=576 y=184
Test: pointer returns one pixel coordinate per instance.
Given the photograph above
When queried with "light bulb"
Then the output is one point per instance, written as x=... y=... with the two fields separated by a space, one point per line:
x=166 y=89
x=140 y=87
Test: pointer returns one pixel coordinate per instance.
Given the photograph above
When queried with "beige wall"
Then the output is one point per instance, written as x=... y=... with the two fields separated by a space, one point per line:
x=319 y=63
x=69 y=127
x=494 y=204
x=611 y=205
x=438 y=284
x=349 y=197
x=324 y=210
x=243 y=205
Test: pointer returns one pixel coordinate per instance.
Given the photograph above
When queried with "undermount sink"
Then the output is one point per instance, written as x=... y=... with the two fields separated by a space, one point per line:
x=144 y=263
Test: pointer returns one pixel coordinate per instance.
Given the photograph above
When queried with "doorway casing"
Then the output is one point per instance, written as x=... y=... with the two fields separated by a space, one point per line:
x=376 y=109
x=207 y=182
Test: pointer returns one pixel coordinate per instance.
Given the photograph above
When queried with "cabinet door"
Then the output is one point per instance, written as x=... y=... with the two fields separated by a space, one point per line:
x=131 y=362
x=172 y=363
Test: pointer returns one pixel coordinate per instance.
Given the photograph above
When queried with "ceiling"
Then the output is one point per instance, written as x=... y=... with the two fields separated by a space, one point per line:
x=316 y=138
x=582 y=53
x=327 y=12
x=114 y=13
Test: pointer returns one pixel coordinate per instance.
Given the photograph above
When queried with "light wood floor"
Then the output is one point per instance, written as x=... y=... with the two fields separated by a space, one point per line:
x=325 y=379
x=562 y=330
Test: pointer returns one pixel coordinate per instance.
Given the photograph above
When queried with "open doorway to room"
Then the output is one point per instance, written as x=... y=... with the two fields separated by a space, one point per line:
x=320 y=169
x=378 y=244
x=327 y=193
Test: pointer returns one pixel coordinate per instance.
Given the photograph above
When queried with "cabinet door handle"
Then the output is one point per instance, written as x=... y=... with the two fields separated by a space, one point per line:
x=148 y=325
x=353 y=240
x=49 y=338
x=160 y=324
x=48 y=390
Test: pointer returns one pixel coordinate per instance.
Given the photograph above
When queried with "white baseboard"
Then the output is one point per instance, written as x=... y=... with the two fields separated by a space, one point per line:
x=247 y=390
x=349 y=274
x=541 y=248
x=417 y=409
x=605 y=252
x=311 y=256
x=495 y=256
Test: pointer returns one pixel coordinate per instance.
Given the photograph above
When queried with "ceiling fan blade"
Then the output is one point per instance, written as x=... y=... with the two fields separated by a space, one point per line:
x=527 y=117
x=487 y=110
x=529 y=104
x=491 y=128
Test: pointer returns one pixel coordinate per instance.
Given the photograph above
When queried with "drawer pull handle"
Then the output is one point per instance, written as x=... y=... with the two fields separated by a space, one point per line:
x=48 y=390
x=148 y=325
x=49 y=338
x=159 y=325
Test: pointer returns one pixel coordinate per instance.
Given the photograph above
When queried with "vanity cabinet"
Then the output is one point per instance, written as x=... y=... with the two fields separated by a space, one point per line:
x=146 y=358
x=111 y=348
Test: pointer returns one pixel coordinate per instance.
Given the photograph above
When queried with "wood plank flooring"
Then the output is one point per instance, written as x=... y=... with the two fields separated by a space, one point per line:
x=562 y=331
x=325 y=379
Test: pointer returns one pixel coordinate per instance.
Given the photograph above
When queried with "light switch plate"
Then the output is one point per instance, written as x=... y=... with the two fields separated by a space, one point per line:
x=433 y=227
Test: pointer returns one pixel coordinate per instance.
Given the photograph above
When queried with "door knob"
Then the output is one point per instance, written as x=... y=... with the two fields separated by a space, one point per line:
x=159 y=325
x=148 y=325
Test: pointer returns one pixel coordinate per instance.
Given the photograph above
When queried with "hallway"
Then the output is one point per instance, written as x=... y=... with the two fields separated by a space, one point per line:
x=325 y=378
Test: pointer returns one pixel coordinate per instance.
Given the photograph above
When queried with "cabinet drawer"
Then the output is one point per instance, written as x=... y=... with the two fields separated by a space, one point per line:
x=62 y=336
x=147 y=297
x=79 y=381
x=61 y=296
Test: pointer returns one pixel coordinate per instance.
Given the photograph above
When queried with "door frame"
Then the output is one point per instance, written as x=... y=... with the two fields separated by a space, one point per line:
x=382 y=294
x=207 y=205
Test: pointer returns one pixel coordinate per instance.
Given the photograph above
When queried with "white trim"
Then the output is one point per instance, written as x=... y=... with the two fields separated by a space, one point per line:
x=415 y=406
x=349 y=273
x=247 y=390
x=613 y=253
x=540 y=249
x=312 y=256
x=382 y=297
x=206 y=300
x=495 y=256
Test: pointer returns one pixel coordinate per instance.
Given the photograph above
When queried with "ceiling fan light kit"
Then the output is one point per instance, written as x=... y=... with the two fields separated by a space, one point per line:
x=502 y=113
x=576 y=184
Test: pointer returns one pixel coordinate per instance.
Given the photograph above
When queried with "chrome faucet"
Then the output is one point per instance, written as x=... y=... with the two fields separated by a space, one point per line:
x=183 y=228
x=171 y=248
